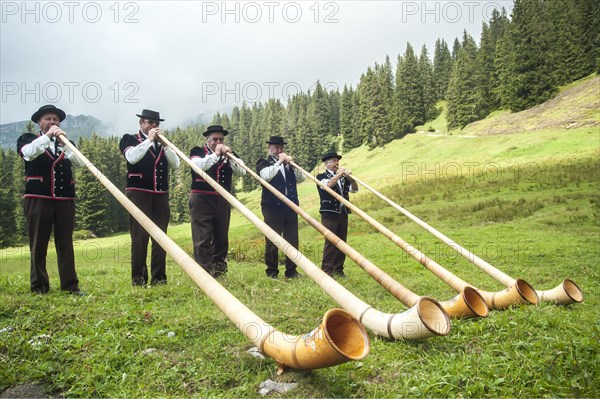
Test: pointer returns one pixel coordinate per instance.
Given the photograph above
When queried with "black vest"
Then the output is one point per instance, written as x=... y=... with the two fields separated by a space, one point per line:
x=48 y=175
x=221 y=172
x=268 y=199
x=328 y=202
x=151 y=173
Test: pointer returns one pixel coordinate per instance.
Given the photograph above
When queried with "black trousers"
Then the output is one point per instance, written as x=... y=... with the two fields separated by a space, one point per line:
x=285 y=222
x=42 y=216
x=210 y=216
x=156 y=207
x=333 y=258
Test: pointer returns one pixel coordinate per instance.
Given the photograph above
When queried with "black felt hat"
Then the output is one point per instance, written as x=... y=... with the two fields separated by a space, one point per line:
x=330 y=155
x=276 y=140
x=48 y=109
x=148 y=114
x=215 y=129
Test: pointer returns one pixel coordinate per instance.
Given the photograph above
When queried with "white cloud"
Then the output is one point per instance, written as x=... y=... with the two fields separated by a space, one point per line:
x=185 y=58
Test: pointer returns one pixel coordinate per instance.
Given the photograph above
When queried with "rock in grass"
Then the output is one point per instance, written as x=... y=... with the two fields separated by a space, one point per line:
x=29 y=390
x=39 y=340
x=254 y=351
x=148 y=351
x=269 y=386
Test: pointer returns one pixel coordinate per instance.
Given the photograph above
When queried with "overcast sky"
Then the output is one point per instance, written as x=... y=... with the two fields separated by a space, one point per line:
x=188 y=58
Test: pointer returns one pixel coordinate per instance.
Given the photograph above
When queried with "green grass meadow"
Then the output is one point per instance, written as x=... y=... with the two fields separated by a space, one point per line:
x=529 y=203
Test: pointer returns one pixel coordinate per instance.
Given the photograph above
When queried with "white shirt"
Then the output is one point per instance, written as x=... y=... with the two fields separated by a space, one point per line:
x=135 y=154
x=38 y=146
x=270 y=172
x=340 y=183
x=208 y=161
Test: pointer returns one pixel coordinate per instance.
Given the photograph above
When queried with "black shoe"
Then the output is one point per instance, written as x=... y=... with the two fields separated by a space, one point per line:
x=138 y=282
x=293 y=275
x=217 y=274
x=340 y=274
x=78 y=293
x=220 y=267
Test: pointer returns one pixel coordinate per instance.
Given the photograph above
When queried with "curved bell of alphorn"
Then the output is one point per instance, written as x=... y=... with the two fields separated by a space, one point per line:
x=339 y=338
x=425 y=319
x=519 y=293
x=563 y=294
x=468 y=303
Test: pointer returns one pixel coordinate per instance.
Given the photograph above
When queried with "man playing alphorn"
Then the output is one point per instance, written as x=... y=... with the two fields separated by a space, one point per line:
x=334 y=215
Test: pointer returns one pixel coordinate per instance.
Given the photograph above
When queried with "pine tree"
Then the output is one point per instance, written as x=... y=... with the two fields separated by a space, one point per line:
x=464 y=101
x=18 y=189
x=486 y=71
x=297 y=127
x=588 y=26
x=427 y=98
x=348 y=120
x=243 y=145
x=385 y=78
x=114 y=167
x=486 y=56
x=376 y=106
x=528 y=78
x=335 y=99
x=18 y=183
x=216 y=120
x=370 y=109
x=7 y=205
x=455 y=49
x=234 y=128
x=319 y=136
x=180 y=179
x=91 y=204
x=503 y=66
x=442 y=68
x=225 y=122
x=408 y=92
x=356 y=118
x=256 y=142
x=567 y=42
x=30 y=127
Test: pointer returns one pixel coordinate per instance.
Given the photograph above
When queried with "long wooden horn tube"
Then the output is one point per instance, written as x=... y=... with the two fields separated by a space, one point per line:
x=422 y=321
x=565 y=293
x=338 y=339
x=520 y=292
x=468 y=304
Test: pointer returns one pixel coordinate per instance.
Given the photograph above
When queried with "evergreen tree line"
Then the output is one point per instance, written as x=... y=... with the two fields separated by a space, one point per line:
x=520 y=62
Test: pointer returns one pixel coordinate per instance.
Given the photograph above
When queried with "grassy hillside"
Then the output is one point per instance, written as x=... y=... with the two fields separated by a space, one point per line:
x=528 y=202
x=575 y=106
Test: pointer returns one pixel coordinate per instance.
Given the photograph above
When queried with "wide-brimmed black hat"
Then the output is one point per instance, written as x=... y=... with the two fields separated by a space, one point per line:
x=215 y=129
x=276 y=140
x=330 y=155
x=148 y=114
x=48 y=109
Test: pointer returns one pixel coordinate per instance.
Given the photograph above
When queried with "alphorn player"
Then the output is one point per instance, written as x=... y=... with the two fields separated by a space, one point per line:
x=210 y=213
x=147 y=186
x=49 y=200
x=334 y=215
x=278 y=172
